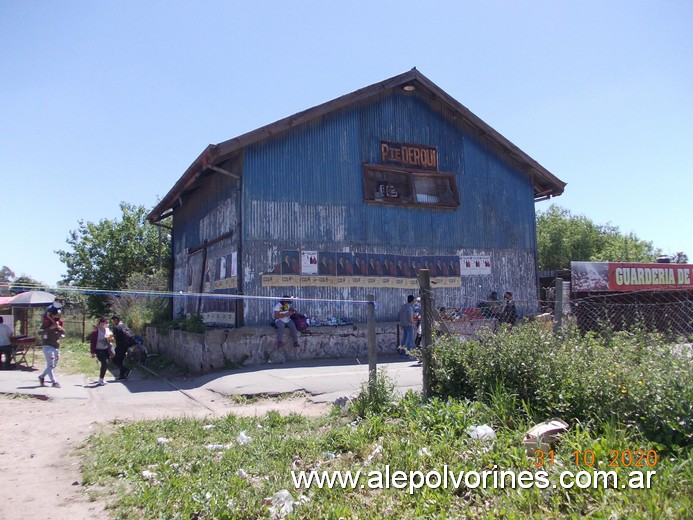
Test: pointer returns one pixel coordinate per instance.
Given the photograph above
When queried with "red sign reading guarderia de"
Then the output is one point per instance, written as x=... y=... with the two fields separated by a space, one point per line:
x=617 y=276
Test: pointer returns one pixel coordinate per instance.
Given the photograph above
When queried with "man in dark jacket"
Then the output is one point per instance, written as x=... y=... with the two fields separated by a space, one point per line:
x=509 y=314
x=124 y=339
x=406 y=322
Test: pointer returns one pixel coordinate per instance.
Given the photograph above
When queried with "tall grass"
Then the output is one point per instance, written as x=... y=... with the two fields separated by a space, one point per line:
x=635 y=378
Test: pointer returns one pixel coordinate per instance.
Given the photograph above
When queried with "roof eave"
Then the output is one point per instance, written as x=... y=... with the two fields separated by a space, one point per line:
x=545 y=184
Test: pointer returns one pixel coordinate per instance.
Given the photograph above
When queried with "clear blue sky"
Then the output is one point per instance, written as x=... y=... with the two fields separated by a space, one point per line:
x=103 y=102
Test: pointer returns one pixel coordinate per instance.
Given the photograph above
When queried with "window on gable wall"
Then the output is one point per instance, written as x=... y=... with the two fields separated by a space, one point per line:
x=390 y=185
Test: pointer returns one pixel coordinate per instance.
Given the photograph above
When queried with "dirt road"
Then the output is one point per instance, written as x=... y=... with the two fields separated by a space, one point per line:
x=39 y=470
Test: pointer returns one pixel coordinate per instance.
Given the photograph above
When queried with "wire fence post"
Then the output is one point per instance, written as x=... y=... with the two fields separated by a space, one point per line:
x=372 y=349
x=558 y=309
x=426 y=330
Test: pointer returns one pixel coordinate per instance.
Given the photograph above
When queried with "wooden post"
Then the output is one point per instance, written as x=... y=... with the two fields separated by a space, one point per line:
x=558 y=307
x=426 y=330
x=372 y=348
x=84 y=323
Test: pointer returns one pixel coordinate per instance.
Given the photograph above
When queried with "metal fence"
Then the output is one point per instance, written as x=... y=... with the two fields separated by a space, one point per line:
x=667 y=312
x=29 y=321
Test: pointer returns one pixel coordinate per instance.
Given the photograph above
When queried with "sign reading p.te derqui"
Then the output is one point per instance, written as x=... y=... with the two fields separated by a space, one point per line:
x=409 y=155
x=616 y=276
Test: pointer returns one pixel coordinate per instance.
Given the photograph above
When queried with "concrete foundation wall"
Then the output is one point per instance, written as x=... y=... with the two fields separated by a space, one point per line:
x=225 y=348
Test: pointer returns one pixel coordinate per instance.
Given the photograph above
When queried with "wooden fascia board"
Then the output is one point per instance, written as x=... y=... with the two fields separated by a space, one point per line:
x=207 y=157
x=488 y=132
x=222 y=151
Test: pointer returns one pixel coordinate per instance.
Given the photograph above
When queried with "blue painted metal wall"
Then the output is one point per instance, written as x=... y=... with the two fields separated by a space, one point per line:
x=210 y=212
x=303 y=190
x=321 y=166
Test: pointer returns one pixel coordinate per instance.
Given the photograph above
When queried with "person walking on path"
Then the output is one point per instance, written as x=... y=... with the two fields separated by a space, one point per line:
x=5 y=344
x=51 y=337
x=406 y=322
x=124 y=339
x=100 y=346
x=282 y=320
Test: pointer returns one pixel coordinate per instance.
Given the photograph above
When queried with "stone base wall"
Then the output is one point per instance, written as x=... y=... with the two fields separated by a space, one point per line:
x=226 y=348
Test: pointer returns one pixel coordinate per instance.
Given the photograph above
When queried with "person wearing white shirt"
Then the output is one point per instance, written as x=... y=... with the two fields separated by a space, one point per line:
x=5 y=344
x=282 y=320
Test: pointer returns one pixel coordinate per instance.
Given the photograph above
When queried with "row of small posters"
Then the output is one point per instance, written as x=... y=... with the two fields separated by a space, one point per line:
x=345 y=269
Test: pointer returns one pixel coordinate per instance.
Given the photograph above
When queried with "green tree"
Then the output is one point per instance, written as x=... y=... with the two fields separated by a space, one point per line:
x=563 y=237
x=6 y=276
x=106 y=254
x=25 y=283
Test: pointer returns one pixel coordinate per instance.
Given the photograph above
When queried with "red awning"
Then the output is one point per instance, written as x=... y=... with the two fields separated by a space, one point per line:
x=5 y=300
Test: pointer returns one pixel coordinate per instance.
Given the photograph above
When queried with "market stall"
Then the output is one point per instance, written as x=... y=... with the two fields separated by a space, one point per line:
x=24 y=306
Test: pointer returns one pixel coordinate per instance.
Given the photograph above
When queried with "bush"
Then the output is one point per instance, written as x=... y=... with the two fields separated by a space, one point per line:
x=141 y=305
x=376 y=400
x=633 y=377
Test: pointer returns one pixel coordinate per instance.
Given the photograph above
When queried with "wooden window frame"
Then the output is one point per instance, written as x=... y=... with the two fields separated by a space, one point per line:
x=402 y=190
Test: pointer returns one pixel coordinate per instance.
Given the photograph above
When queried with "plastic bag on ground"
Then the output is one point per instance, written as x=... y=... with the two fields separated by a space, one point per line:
x=483 y=432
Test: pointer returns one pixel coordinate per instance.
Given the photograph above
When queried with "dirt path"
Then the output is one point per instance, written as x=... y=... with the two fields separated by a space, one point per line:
x=39 y=470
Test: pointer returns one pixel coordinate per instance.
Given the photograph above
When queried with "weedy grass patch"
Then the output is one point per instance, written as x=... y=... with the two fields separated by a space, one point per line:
x=75 y=358
x=633 y=377
x=239 y=467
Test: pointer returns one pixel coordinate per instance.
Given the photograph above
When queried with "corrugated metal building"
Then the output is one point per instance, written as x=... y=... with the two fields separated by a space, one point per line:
x=353 y=196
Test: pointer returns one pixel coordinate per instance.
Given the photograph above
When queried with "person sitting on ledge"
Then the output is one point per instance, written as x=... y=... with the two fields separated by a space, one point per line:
x=282 y=319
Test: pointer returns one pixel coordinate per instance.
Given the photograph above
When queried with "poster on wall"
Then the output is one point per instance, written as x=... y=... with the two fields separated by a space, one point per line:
x=375 y=264
x=226 y=266
x=220 y=270
x=289 y=264
x=389 y=266
x=369 y=270
x=309 y=262
x=414 y=266
x=226 y=272
x=360 y=264
x=475 y=265
x=344 y=264
x=232 y=265
x=442 y=268
x=454 y=267
x=326 y=263
x=402 y=268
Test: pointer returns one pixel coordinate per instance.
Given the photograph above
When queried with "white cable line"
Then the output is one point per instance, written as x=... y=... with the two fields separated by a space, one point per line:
x=181 y=294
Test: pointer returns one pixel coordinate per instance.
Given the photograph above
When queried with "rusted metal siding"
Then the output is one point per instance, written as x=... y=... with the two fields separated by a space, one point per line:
x=206 y=228
x=512 y=271
x=303 y=190
x=315 y=173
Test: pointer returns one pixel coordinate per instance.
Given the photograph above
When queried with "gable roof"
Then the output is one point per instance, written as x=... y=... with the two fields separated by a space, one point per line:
x=545 y=184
